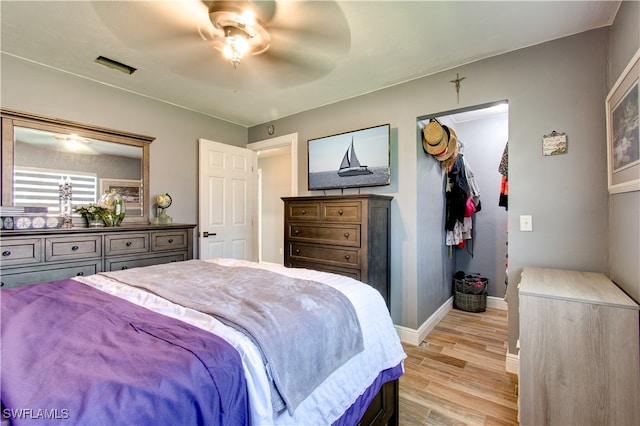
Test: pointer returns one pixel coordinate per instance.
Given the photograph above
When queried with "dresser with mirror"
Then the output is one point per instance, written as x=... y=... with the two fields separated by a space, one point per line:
x=40 y=153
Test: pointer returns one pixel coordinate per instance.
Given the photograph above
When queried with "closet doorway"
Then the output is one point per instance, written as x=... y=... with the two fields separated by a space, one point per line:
x=483 y=132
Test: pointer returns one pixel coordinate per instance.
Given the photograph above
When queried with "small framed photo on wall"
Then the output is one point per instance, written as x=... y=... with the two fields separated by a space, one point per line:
x=623 y=133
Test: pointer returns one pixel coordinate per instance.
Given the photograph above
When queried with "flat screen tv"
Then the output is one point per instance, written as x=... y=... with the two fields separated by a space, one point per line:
x=352 y=159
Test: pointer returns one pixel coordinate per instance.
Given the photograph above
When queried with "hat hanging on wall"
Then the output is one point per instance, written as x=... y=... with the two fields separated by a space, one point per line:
x=441 y=142
x=435 y=138
x=452 y=146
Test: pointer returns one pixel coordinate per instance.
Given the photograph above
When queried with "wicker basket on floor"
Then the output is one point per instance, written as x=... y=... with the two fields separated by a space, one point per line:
x=470 y=292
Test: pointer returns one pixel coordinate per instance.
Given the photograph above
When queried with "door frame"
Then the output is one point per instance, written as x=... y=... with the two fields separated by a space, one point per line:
x=289 y=141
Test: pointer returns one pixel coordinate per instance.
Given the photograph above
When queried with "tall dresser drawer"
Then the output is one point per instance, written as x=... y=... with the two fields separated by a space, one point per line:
x=330 y=255
x=78 y=247
x=20 y=252
x=347 y=235
x=169 y=240
x=347 y=211
x=347 y=272
x=303 y=211
x=125 y=244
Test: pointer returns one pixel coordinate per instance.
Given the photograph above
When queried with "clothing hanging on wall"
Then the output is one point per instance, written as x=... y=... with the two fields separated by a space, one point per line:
x=462 y=202
x=503 y=168
x=503 y=201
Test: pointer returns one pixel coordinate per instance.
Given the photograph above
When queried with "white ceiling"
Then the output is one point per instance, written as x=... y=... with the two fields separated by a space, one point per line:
x=321 y=52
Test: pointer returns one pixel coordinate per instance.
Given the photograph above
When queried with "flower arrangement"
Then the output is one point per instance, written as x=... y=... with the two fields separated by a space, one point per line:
x=94 y=212
x=93 y=209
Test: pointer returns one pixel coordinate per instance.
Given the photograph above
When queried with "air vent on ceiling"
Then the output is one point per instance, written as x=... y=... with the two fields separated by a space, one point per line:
x=115 y=65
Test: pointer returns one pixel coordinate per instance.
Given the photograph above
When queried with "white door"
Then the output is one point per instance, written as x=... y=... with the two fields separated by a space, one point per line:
x=227 y=196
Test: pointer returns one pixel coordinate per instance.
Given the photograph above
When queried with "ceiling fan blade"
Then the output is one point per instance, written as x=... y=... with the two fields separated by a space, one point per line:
x=311 y=25
x=137 y=22
x=266 y=9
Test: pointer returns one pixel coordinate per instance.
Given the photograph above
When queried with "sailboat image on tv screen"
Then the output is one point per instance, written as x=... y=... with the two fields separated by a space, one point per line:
x=350 y=165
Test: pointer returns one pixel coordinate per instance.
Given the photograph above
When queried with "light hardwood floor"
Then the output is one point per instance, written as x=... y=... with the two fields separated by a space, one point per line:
x=457 y=375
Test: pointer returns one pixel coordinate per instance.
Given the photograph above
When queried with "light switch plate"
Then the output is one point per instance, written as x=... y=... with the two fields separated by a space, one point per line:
x=526 y=223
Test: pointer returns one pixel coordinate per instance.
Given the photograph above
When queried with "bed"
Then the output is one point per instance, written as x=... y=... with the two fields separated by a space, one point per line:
x=199 y=342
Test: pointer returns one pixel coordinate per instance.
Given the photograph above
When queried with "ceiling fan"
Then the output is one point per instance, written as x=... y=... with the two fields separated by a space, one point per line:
x=242 y=29
x=284 y=43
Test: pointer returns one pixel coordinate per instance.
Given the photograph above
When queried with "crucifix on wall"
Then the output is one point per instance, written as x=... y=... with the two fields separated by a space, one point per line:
x=457 y=82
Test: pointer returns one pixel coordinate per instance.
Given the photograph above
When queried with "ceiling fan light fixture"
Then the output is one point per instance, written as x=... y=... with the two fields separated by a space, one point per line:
x=242 y=31
x=235 y=48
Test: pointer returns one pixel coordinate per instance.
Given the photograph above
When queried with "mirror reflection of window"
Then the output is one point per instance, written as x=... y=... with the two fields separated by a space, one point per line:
x=43 y=158
x=41 y=187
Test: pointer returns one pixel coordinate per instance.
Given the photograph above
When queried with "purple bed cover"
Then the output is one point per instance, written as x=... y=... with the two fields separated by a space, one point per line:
x=73 y=353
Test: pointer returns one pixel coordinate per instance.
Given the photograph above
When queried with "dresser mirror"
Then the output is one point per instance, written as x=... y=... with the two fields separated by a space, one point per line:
x=39 y=154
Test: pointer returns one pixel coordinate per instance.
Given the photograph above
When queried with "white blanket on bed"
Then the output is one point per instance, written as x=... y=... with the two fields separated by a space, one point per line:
x=327 y=403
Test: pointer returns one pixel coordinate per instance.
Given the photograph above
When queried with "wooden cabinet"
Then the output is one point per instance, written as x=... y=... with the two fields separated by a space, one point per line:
x=345 y=234
x=32 y=256
x=578 y=350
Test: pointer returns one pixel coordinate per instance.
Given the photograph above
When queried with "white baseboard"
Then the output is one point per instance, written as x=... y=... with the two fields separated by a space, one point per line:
x=512 y=363
x=415 y=337
x=496 y=303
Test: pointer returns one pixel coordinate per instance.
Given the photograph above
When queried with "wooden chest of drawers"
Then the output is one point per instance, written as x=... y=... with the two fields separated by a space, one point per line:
x=32 y=256
x=346 y=235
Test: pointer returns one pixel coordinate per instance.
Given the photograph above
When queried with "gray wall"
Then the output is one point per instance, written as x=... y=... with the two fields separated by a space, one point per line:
x=558 y=85
x=624 y=208
x=174 y=154
x=104 y=166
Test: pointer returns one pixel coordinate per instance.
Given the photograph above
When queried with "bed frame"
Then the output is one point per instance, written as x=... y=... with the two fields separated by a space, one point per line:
x=384 y=408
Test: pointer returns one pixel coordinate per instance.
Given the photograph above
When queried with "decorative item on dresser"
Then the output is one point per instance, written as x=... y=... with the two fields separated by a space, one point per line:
x=53 y=254
x=343 y=234
x=578 y=350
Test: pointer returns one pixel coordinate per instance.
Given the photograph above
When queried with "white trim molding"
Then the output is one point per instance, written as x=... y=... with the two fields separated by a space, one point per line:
x=496 y=303
x=512 y=363
x=415 y=337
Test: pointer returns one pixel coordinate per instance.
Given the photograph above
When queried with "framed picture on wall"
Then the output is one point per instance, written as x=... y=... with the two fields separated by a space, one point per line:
x=129 y=189
x=623 y=133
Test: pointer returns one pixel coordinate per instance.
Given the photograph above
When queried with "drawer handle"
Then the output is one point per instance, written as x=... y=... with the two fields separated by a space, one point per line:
x=340 y=212
x=304 y=211
x=1 y=284
x=297 y=251
x=125 y=267
x=346 y=235
x=347 y=257
x=75 y=248
x=80 y=274
x=170 y=240
x=6 y=253
x=296 y=232
x=128 y=244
